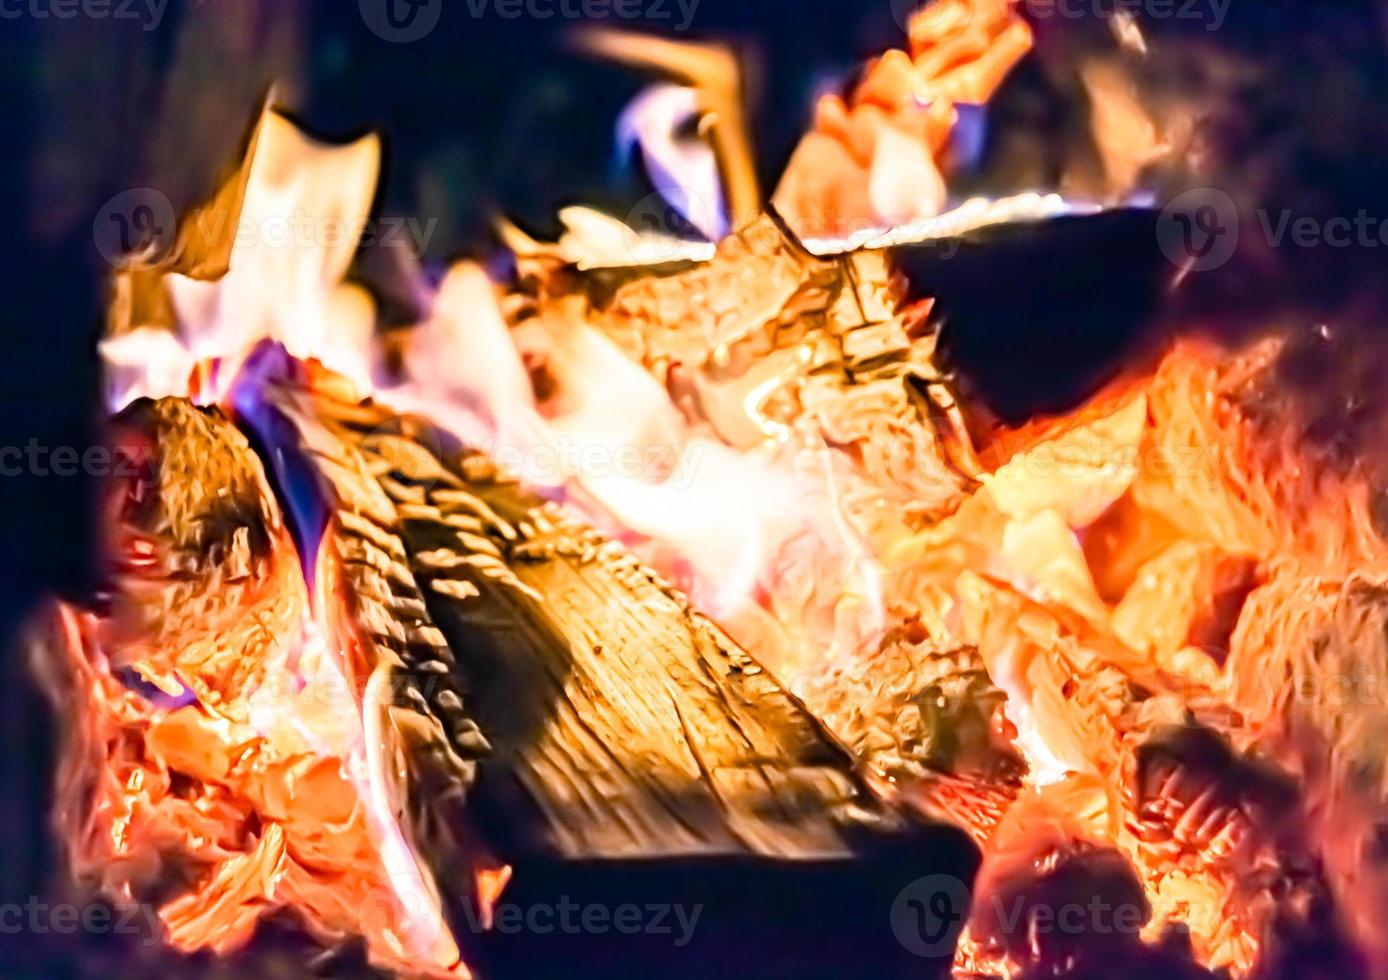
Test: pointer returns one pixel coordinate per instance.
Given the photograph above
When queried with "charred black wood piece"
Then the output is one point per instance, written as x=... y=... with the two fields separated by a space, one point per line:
x=352 y=530
x=346 y=521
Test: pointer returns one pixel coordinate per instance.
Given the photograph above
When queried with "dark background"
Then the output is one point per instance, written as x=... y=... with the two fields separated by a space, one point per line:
x=490 y=115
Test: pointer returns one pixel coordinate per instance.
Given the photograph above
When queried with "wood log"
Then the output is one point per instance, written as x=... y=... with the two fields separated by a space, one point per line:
x=625 y=724
x=350 y=527
x=927 y=720
x=352 y=532
x=640 y=757
x=199 y=543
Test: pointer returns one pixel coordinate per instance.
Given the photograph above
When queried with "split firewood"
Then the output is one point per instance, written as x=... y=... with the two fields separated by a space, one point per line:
x=198 y=540
x=1307 y=668
x=362 y=559
x=624 y=723
x=340 y=504
x=928 y=722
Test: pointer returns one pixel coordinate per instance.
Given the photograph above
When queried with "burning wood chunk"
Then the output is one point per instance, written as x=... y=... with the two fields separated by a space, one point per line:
x=363 y=559
x=626 y=725
x=1073 y=909
x=1228 y=831
x=198 y=542
x=927 y=720
x=1202 y=826
x=228 y=735
x=759 y=282
x=1307 y=669
x=768 y=343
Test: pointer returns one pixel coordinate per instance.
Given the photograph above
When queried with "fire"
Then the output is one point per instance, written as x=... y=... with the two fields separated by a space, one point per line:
x=273 y=806
x=250 y=762
x=876 y=159
x=1085 y=606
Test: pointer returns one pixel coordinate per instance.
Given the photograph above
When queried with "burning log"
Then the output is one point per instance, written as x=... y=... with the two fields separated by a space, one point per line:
x=638 y=751
x=335 y=499
x=1204 y=827
x=1307 y=668
x=227 y=730
x=928 y=721
x=626 y=725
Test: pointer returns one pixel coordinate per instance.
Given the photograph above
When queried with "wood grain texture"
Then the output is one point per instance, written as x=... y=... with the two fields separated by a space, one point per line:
x=625 y=724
